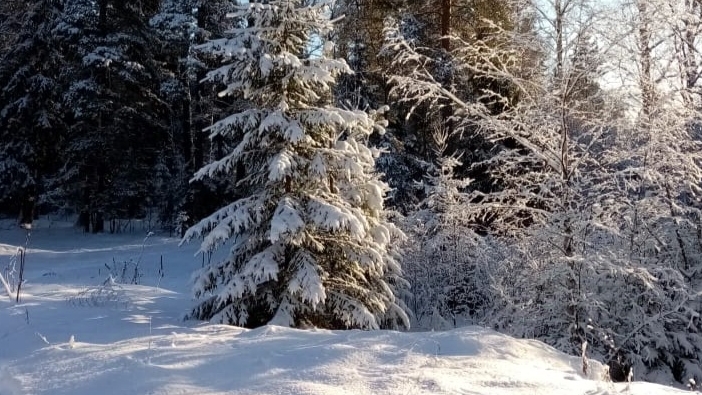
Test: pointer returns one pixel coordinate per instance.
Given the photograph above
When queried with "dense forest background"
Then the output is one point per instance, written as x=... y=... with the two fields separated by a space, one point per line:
x=543 y=156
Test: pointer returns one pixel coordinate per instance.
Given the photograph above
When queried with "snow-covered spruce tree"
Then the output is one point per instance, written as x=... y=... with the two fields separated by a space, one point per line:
x=175 y=26
x=445 y=261
x=180 y=26
x=32 y=121
x=116 y=120
x=310 y=244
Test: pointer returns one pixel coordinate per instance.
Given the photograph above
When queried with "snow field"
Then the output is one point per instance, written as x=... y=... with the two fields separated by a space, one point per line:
x=134 y=341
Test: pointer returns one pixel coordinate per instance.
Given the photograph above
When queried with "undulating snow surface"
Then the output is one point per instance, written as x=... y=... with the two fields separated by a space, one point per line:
x=70 y=335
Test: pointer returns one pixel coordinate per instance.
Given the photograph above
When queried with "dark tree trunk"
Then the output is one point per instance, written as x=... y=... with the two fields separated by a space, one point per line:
x=98 y=222
x=103 y=15
x=84 y=220
x=27 y=210
x=445 y=24
x=187 y=141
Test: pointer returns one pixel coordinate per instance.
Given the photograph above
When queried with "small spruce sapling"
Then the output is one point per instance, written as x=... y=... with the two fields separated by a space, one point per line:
x=442 y=260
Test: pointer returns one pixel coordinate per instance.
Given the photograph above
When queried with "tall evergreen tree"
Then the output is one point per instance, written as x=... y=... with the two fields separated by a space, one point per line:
x=310 y=243
x=176 y=30
x=117 y=130
x=447 y=35
x=180 y=26
x=31 y=116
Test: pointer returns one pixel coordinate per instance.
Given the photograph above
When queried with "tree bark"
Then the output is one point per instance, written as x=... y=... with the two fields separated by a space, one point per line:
x=560 y=15
x=102 y=17
x=645 y=79
x=445 y=24
x=27 y=210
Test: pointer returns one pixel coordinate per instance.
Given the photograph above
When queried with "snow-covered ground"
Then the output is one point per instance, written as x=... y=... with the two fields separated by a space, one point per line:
x=69 y=335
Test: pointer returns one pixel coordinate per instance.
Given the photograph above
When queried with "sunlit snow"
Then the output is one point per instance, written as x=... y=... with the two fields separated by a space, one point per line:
x=132 y=340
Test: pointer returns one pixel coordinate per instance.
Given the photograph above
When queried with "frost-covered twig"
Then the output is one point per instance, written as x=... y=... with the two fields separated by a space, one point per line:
x=6 y=286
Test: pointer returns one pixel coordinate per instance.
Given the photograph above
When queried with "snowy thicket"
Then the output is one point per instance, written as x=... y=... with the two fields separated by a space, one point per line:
x=309 y=239
x=599 y=211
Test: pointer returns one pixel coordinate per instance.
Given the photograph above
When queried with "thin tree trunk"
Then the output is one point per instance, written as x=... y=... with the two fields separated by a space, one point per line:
x=27 y=209
x=445 y=24
x=645 y=79
x=681 y=244
x=102 y=17
x=560 y=15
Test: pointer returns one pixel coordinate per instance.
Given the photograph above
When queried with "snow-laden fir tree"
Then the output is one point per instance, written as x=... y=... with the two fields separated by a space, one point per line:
x=309 y=241
x=31 y=117
x=446 y=262
x=117 y=121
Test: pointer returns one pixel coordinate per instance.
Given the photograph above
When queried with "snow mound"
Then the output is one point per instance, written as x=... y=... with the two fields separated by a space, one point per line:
x=215 y=359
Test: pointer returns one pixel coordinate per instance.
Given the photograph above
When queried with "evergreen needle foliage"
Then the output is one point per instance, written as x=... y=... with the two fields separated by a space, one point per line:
x=309 y=241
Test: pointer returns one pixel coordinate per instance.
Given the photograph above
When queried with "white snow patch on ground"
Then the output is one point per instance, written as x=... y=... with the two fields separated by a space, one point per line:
x=133 y=340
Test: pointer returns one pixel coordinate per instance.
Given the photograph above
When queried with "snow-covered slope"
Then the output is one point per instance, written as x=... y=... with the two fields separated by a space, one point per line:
x=69 y=335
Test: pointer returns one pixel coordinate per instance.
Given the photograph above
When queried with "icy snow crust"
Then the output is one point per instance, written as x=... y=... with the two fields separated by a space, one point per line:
x=136 y=342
